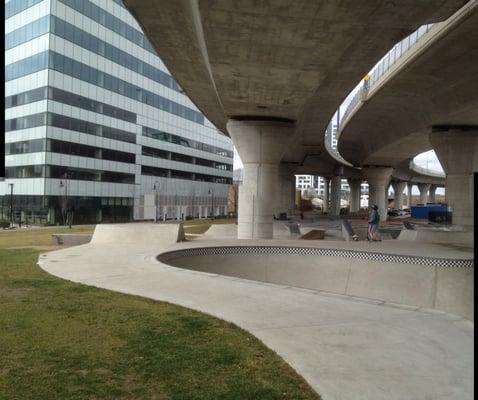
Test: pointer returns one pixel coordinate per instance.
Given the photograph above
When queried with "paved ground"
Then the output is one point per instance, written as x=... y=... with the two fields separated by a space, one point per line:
x=345 y=348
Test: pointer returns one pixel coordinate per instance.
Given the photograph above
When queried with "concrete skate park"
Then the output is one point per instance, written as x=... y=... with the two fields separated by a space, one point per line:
x=358 y=320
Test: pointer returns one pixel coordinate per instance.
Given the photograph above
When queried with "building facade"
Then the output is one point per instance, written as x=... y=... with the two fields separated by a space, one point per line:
x=95 y=123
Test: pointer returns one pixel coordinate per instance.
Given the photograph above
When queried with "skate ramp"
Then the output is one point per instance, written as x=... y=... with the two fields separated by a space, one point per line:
x=221 y=231
x=138 y=233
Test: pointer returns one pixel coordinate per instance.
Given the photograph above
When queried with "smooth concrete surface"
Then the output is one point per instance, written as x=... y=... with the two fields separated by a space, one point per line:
x=410 y=284
x=457 y=151
x=138 y=234
x=229 y=231
x=221 y=231
x=71 y=239
x=355 y=186
x=346 y=348
x=326 y=194
x=435 y=235
x=423 y=188
x=378 y=179
x=409 y=194
x=278 y=59
x=335 y=191
x=432 y=193
x=398 y=187
x=261 y=145
x=428 y=88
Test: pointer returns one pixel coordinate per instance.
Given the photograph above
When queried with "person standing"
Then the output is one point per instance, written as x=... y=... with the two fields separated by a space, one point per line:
x=373 y=221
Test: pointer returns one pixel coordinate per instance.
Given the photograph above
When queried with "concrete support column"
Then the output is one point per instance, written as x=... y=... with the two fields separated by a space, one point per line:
x=261 y=145
x=398 y=187
x=355 y=185
x=378 y=179
x=431 y=194
x=457 y=151
x=285 y=200
x=423 y=188
x=326 y=194
x=409 y=188
x=292 y=202
x=335 y=195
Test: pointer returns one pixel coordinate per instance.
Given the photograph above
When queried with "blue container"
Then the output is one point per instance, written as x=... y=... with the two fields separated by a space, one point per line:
x=422 y=211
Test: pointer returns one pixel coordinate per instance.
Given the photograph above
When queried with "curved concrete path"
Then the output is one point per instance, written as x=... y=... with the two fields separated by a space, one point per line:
x=345 y=348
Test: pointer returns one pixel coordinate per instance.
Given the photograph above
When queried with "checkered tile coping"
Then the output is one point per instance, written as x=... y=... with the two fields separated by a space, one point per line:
x=311 y=251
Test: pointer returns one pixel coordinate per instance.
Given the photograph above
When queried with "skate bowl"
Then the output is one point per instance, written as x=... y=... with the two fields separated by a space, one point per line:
x=412 y=281
x=138 y=233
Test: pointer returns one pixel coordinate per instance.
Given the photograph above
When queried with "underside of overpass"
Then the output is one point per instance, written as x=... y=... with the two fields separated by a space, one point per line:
x=429 y=100
x=275 y=72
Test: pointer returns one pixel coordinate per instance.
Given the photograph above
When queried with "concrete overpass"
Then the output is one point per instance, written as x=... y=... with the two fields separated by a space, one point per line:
x=427 y=100
x=272 y=74
x=407 y=173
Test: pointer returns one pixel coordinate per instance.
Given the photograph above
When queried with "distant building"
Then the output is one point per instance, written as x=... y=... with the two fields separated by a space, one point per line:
x=95 y=121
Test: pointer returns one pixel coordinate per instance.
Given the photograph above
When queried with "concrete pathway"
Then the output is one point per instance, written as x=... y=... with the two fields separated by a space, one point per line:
x=345 y=348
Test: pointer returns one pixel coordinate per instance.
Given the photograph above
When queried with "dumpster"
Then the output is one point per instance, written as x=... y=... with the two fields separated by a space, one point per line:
x=423 y=211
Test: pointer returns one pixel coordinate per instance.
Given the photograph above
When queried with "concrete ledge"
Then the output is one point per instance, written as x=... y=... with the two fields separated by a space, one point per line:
x=436 y=236
x=71 y=239
x=138 y=233
x=414 y=281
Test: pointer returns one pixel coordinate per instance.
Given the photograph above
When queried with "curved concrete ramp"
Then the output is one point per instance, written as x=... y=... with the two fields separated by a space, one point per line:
x=138 y=233
x=229 y=231
x=221 y=231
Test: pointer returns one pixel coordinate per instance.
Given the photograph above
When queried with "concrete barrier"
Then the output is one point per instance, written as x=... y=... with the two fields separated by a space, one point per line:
x=421 y=282
x=71 y=239
x=221 y=231
x=431 y=235
x=138 y=233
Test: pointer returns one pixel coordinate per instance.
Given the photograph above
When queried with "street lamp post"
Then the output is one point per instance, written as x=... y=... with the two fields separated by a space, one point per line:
x=65 y=203
x=156 y=189
x=211 y=192
x=11 y=203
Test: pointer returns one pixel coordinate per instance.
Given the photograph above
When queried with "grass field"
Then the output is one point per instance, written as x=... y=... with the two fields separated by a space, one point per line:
x=62 y=340
x=38 y=237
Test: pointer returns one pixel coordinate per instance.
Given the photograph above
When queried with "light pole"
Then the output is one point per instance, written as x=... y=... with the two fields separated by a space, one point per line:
x=211 y=192
x=11 y=203
x=65 y=203
x=156 y=187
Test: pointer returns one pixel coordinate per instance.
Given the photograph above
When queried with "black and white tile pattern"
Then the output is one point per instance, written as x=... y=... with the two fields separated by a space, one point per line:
x=312 y=251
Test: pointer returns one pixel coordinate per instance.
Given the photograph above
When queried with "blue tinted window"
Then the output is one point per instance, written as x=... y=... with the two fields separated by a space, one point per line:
x=15 y=6
x=26 y=66
x=84 y=39
x=27 y=33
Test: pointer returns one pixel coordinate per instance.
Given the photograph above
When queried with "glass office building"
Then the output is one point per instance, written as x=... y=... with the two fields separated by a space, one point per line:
x=94 y=121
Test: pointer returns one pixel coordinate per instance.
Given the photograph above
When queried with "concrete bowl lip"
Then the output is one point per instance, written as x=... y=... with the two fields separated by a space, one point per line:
x=286 y=250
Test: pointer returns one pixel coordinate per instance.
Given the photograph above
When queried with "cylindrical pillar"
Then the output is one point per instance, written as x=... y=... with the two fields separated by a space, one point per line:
x=423 y=188
x=286 y=188
x=354 y=185
x=292 y=203
x=326 y=194
x=431 y=194
x=261 y=145
x=336 y=183
x=398 y=187
x=409 y=188
x=378 y=179
x=457 y=151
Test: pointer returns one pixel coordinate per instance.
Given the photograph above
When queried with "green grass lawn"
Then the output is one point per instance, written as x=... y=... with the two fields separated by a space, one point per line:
x=38 y=237
x=61 y=340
